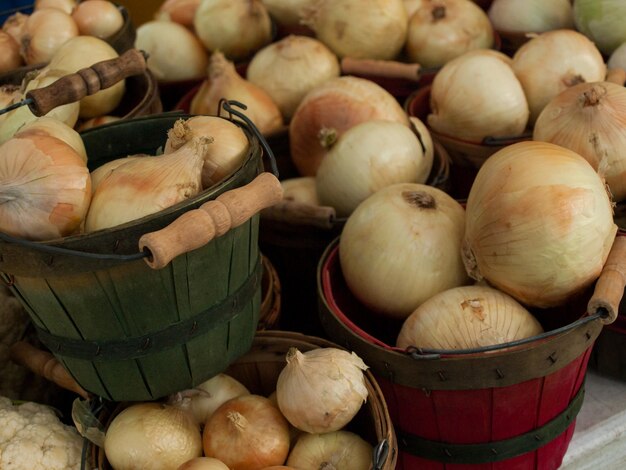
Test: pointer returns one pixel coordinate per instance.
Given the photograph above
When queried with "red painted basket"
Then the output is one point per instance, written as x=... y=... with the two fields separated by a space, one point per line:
x=506 y=407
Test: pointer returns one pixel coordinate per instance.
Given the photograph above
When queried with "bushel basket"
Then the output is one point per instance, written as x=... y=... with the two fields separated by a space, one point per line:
x=510 y=406
x=126 y=323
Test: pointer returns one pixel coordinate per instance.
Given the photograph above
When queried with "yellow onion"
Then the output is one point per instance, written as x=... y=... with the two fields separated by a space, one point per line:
x=338 y=449
x=14 y=26
x=45 y=188
x=287 y=12
x=225 y=83
x=203 y=463
x=467 y=317
x=321 y=390
x=45 y=31
x=174 y=52
x=151 y=435
x=52 y=127
x=247 y=433
x=553 y=61
x=539 y=223
x=531 y=16
x=330 y=109
x=590 y=119
x=291 y=67
x=478 y=95
x=441 y=30
x=618 y=58
x=66 y=5
x=301 y=189
x=367 y=158
x=96 y=121
x=401 y=246
x=178 y=11
x=105 y=169
x=99 y=18
x=10 y=57
x=363 y=29
x=236 y=28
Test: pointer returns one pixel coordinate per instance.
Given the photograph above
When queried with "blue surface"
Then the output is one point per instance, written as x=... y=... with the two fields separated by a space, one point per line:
x=8 y=7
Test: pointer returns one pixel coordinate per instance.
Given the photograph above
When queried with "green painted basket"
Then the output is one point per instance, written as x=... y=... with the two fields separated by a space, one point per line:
x=124 y=330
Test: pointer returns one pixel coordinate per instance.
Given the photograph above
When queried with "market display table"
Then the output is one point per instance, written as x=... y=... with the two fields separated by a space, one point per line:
x=599 y=441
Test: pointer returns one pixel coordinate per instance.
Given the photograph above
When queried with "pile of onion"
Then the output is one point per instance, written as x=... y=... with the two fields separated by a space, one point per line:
x=590 y=119
x=401 y=246
x=539 y=223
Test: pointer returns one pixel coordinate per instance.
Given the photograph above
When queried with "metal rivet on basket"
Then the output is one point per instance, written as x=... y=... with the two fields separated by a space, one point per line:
x=447 y=452
x=9 y=279
x=49 y=260
x=194 y=327
x=116 y=245
x=588 y=335
x=426 y=392
x=499 y=373
x=442 y=375
x=494 y=451
x=538 y=437
x=552 y=357
x=145 y=344
x=98 y=351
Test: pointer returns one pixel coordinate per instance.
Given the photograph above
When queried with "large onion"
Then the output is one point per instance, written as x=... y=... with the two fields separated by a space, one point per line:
x=330 y=109
x=45 y=31
x=539 y=223
x=467 y=317
x=441 y=30
x=365 y=29
x=553 y=61
x=287 y=13
x=401 y=246
x=531 y=16
x=602 y=21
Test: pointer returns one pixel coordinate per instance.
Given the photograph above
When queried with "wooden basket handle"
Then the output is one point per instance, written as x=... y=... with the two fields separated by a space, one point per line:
x=73 y=87
x=44 y=364
x=301 y=214
x=214 y=218
x=381 y=68
x=609 y=288
x=616 y=75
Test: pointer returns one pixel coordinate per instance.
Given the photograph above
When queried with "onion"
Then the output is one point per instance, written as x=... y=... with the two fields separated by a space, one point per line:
x=144 y=186
x=236 y=28
x=332 y=108
x=602 y=21
x=426 y=140
x=291 y=67
x=301 y=189
x=589 y=119
x=366 y=158
x=467 y=317
x=99 y=18
x=81 y=52
x=105 y=169
x=10 y=57
x=539 y=223
x=174 y=52
x=363 y=29
x=52 y=127
x=204 y=399
x=477 y=95
x=339 y=449
x=225 y=83
x=321 y=390
x=287 y=12
x=45 y=187
x=531 y=16
x=411 y=7
x=553 y=61
x=14 y=26
x=441 y=30
x=247 y=433
x=45 y=31
x=66 y=5
x=203 y=463
x=178 y=11
x=401 y=246
x=618 y=58
x=151 y=435
x=96 y=121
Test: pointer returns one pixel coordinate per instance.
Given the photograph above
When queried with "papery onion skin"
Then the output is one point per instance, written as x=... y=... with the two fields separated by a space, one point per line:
x=401 y=246
x=291 y=67
x=332 y=108
x=478 y=95
x=45 y=125
x=178 y=11
x=99 y=18
x=539 y=223
x=531 y=16
x=174 y=52
x=45 y=31
x=247 y=433
x=363 y=29
x=441 y=30
x=602 y=21
x=10 y=57
x=467 y=317
x=203 y=463
x=340 y=449
x=45 y=188
x=590 y=119
x=552 y=62
x=151 y=436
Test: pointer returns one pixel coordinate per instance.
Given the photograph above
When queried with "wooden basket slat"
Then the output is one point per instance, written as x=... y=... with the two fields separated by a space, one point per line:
x=508 y=406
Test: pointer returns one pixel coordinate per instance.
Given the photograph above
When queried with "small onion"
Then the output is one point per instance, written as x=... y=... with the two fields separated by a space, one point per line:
x=366 y=158
x=287 y=12
x=291 y=67
x=477 y=95
x=10 y=57
x=467 y=317
x=401 y=246
x=174 y=52
x=178 y=11
x=441 y=30
x=203 y=463
x=539 y=223
x=553 y=61
x=340 y=449
x=53 y=127
x=332 y=108
x=363 y=29
x=151 y=435
x=602 y=21
x=531 y=16
x=45 y=31
x=301 y=189
x=99 y=18
x=321 y=390
x=236 y=28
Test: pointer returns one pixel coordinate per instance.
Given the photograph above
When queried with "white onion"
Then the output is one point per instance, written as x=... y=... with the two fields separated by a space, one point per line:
x=174 y=52
x=301 y=189
x=99 y=18
x=45 y=31
x=602 y=21
x=287 y=12
x=53 y=127
x=531 y=16
x=333 y=450
x=539 y=223
x=618 y=58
